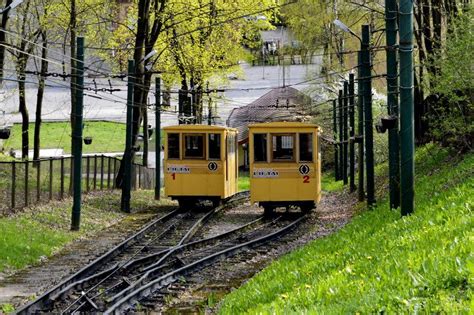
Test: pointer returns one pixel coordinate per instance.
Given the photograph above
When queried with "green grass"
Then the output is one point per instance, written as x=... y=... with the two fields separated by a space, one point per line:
x=106 y=136
x=244 y=181
x=41 y=231
x=381 y=262
x=48 y=231
x=329 y=184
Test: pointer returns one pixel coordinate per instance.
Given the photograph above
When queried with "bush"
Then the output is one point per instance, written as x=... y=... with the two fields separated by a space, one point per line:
x=452 y=93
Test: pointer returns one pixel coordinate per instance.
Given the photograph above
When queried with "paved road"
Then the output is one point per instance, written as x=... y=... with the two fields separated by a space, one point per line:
x=255 y=82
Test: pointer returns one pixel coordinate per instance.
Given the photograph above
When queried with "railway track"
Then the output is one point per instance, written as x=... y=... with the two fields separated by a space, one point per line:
x=161 y=253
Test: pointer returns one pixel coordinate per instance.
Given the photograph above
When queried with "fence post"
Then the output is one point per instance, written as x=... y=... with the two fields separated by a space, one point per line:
x=38 y=180
x=95 y=172
x=108 y=172
x=13 y=184
x=51 y=178
x=61 y=194
x=26 y=183
x=88 y=173
x=139 y=176
x=71 y=175
x=101 y=172
x=115 y=173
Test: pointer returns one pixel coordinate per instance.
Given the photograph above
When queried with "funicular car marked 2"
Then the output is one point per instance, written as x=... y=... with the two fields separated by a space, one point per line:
x=285 y=165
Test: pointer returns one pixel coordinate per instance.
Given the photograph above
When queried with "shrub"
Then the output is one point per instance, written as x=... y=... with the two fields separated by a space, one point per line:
x=452 y=92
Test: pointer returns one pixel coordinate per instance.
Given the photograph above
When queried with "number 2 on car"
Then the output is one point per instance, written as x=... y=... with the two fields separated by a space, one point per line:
x=306 y=179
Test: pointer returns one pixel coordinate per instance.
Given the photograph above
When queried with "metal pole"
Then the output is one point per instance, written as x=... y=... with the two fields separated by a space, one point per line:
x=127 y=158
x=392 y=102
x=352 y=186
x=77 y=137
x=407 y=136
x=360 y=127
x=336 y=150
x=369 y=134
x=345 y=135
x=157 y=138
x=341 y=153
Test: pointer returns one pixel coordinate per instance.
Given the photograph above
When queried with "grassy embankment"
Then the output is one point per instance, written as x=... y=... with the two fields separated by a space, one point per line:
x=48 y=226
x=106 y=136
x=381 y=262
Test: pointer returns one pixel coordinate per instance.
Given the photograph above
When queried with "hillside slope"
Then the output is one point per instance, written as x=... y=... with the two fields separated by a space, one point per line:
x=381 y=262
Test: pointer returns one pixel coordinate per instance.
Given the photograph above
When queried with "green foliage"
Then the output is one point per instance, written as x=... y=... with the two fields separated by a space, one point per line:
x=328 y=183
x=7 y=308
x=452 y=108
x=107 y=136
x=200 y=39
x=380 y=262
x=244 y=181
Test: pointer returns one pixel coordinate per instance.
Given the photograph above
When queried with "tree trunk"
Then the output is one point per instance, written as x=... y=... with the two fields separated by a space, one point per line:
x=3 y=39
x=145 y=40
x=72 y=42
x=39 y=96
x=422 y=18
x=23 y=58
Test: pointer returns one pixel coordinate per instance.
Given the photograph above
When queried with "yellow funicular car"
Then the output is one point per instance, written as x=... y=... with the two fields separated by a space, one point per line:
x=285 y=165
x=200 y=163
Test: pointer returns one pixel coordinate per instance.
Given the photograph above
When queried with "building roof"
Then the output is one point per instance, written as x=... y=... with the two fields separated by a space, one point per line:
x=281 y=104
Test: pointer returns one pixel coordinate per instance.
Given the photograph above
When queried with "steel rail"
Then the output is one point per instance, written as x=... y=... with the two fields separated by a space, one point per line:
x=44 y=299
x=103 y=276
x=196 y=243
x=179 y=249
x=126 y=302
x=168 y=252
x=189 y=234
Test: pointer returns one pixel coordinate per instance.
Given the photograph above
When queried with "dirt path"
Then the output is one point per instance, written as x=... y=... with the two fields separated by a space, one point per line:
x=204 y=288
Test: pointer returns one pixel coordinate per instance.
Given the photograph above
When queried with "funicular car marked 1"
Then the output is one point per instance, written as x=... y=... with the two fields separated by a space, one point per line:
x=285 y=165
x=200 y=163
